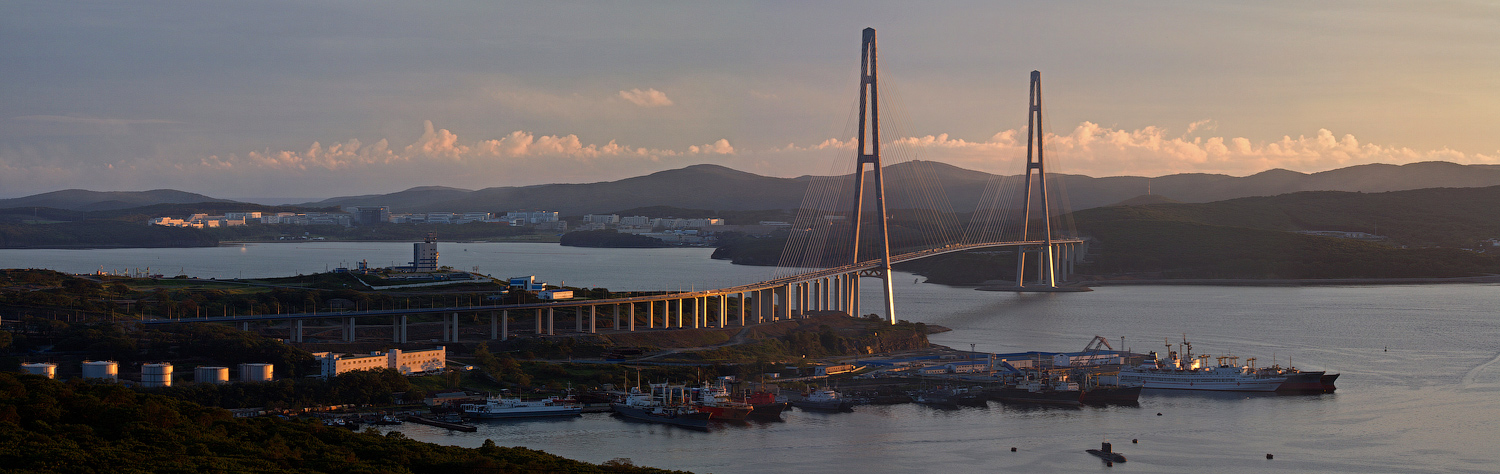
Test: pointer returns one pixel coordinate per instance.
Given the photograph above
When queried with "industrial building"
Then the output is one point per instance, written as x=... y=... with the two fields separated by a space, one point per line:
x=256 y=372
x=408 y=363
x=211 y=375
x=156 y=375
x=101 y=369
x=45 y=369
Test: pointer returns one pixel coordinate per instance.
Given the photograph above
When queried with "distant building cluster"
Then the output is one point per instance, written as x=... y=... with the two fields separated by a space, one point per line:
x=232 y=219
x=367 y=215
x=671 y=230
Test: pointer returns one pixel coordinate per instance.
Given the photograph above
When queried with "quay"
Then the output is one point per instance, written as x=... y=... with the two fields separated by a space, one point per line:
x=443 y=424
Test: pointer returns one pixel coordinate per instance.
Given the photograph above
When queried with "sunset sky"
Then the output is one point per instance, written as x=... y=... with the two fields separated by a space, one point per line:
x=314 y=99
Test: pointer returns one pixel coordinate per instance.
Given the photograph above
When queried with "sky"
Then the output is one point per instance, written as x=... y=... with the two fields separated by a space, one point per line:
x=312 y=99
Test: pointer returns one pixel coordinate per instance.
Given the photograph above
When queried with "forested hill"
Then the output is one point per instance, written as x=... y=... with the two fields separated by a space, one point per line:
x=1428 y=233
x=1436 y=217
x=49 y=426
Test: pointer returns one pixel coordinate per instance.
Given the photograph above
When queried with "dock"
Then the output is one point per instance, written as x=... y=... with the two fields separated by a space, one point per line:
x=444 y=424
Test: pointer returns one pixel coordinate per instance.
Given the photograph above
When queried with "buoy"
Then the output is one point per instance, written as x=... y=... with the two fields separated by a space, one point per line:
x=1158 y=413
x=1269 y=456
x=1134 y=441
x=1012 y=449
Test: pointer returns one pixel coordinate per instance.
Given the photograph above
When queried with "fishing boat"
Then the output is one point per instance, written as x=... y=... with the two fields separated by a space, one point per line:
x=715 y=400
x=665 y=405
x=766 y=405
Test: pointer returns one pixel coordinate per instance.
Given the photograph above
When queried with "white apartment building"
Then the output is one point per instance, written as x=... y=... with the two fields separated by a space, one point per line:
x=408 y=363
x=608 y=219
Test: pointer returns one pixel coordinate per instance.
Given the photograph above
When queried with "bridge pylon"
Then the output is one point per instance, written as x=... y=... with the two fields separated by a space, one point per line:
x=869 y=153
x=1046 y=267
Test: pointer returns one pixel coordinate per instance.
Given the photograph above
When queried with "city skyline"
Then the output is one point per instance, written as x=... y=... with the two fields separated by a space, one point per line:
x=319 y=100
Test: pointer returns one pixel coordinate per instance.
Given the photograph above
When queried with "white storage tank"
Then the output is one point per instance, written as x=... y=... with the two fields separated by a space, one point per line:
x=256 y=372
x=101 y=369
x=211 y=375
x=156 y=375
x=45 y=369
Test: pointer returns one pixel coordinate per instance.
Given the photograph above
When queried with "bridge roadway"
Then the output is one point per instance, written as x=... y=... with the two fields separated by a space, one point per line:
x=828 y=289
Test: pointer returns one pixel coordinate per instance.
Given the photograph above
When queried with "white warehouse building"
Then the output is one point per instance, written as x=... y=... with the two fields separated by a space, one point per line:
x=408 y=363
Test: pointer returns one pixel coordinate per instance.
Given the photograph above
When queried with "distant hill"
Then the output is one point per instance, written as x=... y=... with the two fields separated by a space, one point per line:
x=719 y=189
x=1432 y=217
x=1147 y=199
x=85 y=200
x=408 y=199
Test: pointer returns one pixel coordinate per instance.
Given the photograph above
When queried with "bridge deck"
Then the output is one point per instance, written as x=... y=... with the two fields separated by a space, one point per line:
x=764 y=285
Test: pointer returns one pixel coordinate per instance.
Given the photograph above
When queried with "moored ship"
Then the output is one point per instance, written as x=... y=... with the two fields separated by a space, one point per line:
x=766 y=405
x=823 y=400
x=664 y=405
x=715 y=400
x=500 y=407
x=1186 y=372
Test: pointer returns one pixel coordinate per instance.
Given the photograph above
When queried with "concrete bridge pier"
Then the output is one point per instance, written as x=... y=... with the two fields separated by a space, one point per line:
x=297 y=331
x=786 y=301
x=577 y=319
x=743 y=309
x=679 y=313
x=632 y=316
x=723 y=311
x=594 y=318
x=650 y=315
x=245 y=326
x=539 y=327
x=551 y=321
x=616 y=325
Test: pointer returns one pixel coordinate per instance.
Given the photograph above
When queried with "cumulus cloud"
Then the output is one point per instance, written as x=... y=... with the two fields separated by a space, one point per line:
x=437 y=145
x=646 y=98
x=1096 y=150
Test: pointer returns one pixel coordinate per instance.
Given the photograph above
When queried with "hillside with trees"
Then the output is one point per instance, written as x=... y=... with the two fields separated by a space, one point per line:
x=49 y=426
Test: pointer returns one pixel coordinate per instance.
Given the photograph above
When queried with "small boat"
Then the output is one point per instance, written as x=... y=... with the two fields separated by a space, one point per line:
x=823 y=400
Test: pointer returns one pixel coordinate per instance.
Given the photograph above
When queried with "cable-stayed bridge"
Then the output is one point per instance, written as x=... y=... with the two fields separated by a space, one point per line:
x=841 y=236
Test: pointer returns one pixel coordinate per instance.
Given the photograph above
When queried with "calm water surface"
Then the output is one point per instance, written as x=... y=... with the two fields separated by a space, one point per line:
x=1420 y=390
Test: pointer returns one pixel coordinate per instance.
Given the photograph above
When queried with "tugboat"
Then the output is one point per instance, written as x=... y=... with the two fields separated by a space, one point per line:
x=824 y=400
x=665 y=405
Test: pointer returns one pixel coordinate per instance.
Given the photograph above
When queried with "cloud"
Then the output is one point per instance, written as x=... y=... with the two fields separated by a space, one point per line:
x=1095 y=150
x=646 y=98
x=437 y=146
